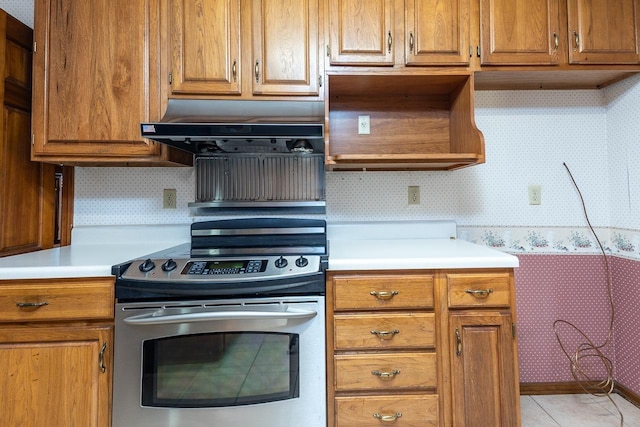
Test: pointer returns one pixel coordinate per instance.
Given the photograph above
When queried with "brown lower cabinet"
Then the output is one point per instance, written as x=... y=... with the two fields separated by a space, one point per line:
x=56 y=352
x=422 y=348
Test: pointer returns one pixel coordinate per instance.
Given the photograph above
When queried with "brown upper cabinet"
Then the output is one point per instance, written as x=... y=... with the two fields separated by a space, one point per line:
x=519 y=32
x=603 y=32
x=94 y=71
x=536 y=32
x=241 y=48
x=361 y=32
x=437 y=32
x=387 y=32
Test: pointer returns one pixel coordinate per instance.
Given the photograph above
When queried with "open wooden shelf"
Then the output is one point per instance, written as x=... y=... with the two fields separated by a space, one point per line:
x=417 y=122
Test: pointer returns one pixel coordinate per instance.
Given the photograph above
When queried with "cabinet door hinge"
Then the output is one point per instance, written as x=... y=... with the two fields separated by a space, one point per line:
x=470 y=51
x=478 y=51
x=328 y=51
x=513 y=330
x=33 y=139
x=320 y=80
x=35 y=47
x=170 y=78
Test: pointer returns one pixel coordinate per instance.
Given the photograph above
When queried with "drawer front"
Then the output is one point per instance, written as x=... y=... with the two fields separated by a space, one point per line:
x=479 y=290
x=64 y=301
x=385 y=372
x=375 y=331
x=402 y=411
x=383 y=292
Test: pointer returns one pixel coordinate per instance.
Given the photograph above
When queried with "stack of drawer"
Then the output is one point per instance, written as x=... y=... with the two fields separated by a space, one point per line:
x=382 y=355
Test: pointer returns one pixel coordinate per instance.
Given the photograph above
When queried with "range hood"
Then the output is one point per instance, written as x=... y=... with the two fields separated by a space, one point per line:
x=265 y=155
x=236 y=126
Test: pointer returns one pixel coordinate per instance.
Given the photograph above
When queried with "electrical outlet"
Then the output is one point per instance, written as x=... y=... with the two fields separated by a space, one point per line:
x=364 y=125
x=169 y=198
x=414 y=195
x=535 y=194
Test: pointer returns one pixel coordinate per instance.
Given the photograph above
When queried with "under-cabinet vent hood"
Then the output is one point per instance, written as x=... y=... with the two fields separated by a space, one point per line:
x=236 y=126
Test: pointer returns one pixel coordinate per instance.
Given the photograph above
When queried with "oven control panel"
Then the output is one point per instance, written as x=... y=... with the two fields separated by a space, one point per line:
x=223 y=269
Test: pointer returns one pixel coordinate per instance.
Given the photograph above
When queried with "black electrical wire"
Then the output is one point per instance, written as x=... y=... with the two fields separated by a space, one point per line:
x=588 y=351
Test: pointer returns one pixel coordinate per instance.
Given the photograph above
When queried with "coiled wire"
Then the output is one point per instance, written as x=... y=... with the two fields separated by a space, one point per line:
x=588 y=352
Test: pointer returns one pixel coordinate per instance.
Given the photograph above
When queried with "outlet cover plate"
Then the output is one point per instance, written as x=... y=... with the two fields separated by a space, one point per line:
x=169 y=198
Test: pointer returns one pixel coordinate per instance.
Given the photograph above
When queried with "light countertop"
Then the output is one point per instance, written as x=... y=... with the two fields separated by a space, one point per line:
x=93 y=252
x=401 y=254
x=352 y=246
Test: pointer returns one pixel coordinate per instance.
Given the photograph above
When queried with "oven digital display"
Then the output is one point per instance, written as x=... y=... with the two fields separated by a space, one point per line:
x=224 y=267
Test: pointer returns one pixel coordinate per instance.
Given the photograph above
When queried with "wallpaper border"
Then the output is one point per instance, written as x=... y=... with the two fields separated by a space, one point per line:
x=554 y=240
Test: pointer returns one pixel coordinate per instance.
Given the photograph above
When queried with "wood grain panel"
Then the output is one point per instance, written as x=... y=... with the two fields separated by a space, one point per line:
x=354 y=292
x=416 y=410
x=603 y=32
x=406 y=330
x=479 y=286
x=519 y=32
x=81 y=299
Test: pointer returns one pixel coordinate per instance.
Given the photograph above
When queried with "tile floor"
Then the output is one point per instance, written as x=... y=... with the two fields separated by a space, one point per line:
x=577 y=410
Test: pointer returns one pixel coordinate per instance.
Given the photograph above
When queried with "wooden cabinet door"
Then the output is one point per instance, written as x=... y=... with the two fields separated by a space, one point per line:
x=285 y=47
x=52 y=376
x=437 y=32
x=603 y=31
x=519 y=32
x=92 y=80
x=361 y=32
x=205 y=47
x=26 y=187
x=483 y=370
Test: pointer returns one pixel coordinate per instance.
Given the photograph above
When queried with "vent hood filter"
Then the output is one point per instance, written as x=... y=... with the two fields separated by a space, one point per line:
x=265 y=181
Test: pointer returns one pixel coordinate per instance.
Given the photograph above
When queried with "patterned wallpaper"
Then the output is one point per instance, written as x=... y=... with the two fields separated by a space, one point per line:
x=22 y=10
x=528 y=134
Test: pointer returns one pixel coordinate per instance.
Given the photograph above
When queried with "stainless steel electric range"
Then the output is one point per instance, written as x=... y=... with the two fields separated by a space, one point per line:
x=226 y=330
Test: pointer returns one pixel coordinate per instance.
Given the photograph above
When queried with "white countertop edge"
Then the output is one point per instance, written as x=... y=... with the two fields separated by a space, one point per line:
x=421 y=264
x=54 y=272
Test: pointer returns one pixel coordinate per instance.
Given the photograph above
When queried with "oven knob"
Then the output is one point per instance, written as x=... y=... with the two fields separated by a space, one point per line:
x=169 y=265
x=281 y=262
x=302 y=262
x=147 y=265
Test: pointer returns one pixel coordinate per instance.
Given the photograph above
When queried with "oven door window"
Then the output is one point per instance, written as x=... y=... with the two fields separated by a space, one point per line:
x=220 y=369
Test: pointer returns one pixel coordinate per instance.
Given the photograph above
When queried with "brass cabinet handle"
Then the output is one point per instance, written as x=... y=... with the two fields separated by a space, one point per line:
x=387 y=418
x=556 y=41
x=411 y=41
x=386 y=375
x=234 y=71
x=389 y=41
x=103 y=368
x=384 y=295
x=458 y=343
x=479 y=293
x=385 y=335
x=576 y=41
x=257 y=71
x=31 y=304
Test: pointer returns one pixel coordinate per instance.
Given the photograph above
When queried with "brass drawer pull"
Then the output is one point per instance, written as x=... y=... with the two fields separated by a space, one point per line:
x=31 y=304
x=385 y=335
x=387 y=418
x=479 y=293
x=386 y=375
x=384 y=295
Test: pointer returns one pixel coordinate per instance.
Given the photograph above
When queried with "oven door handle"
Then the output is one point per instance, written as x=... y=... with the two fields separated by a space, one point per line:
x=154 y=319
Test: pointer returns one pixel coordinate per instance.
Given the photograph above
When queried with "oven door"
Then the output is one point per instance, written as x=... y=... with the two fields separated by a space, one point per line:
x=250 y=363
